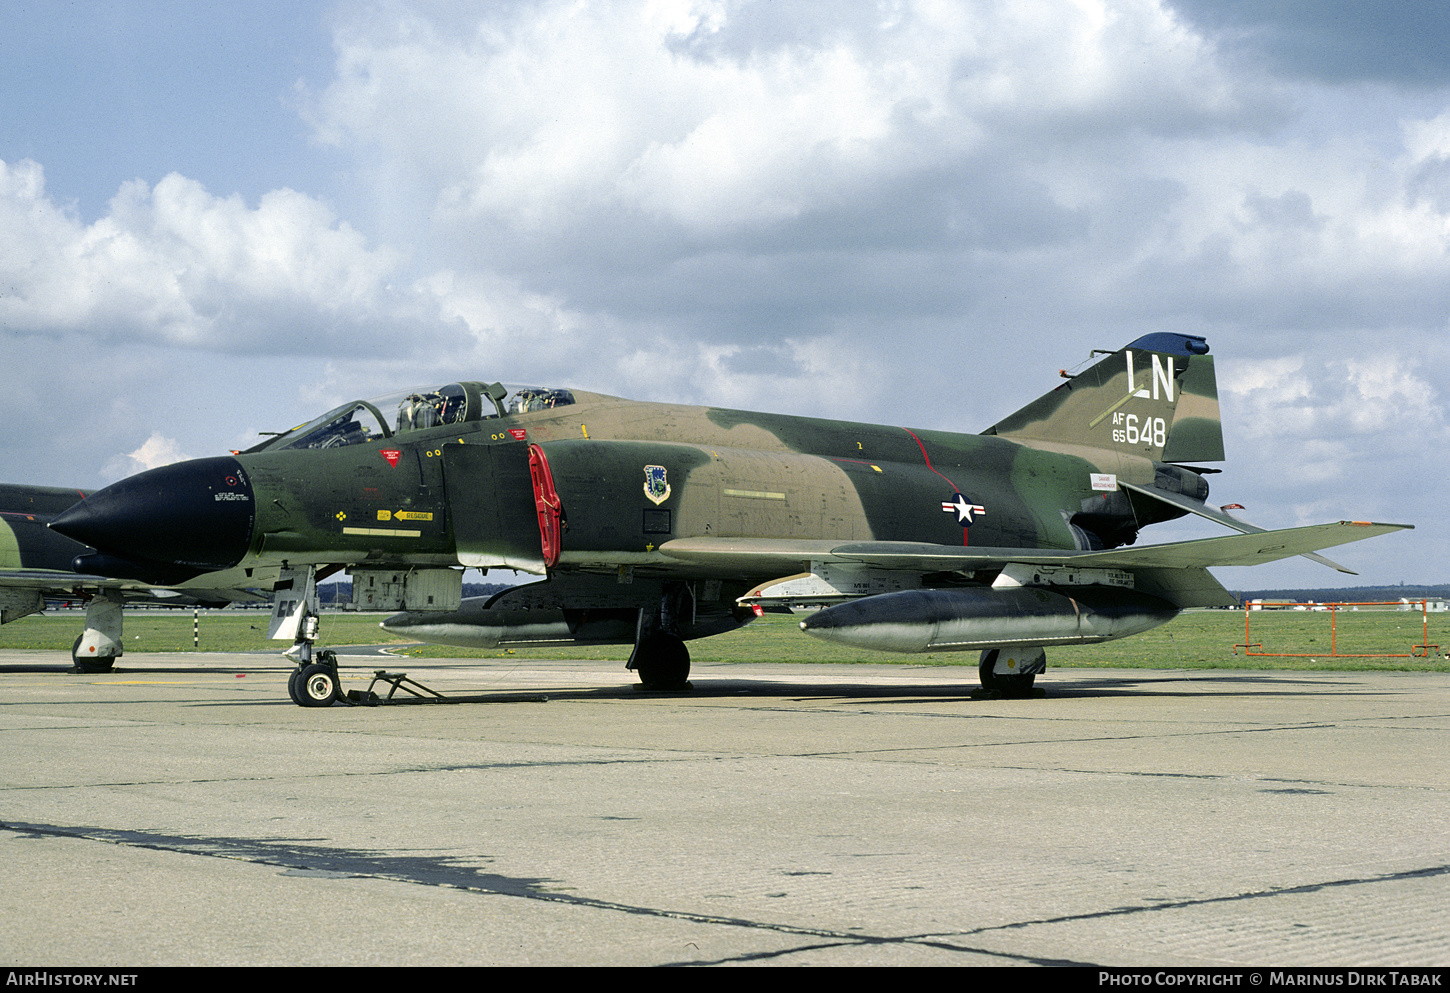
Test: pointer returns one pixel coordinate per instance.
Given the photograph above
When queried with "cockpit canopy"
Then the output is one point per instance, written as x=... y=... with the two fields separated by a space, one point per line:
x=383 y=418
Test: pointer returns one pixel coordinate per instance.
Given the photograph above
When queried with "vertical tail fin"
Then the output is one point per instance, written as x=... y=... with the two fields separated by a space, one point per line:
x=1156 y=398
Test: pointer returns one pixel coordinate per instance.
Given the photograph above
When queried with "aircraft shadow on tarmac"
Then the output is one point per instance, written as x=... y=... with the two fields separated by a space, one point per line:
x=708 y=686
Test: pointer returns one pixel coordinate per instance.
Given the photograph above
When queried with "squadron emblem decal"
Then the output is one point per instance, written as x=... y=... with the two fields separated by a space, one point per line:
x=656 y=486
x=966 y=512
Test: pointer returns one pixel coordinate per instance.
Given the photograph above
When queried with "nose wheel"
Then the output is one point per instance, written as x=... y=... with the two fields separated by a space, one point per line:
x=315 y=684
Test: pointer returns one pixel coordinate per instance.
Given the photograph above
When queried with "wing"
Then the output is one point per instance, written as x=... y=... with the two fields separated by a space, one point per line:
x=759 y=556
x=57 y=582
x=1176 y=571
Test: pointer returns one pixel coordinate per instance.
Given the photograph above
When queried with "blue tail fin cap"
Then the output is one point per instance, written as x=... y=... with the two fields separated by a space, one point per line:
x=1171 y=343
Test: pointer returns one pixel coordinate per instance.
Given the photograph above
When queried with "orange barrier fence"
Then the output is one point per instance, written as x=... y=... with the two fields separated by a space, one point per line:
x=1420 y=651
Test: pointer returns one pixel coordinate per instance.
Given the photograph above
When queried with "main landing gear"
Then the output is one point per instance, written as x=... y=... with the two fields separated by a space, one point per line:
x=662 y=662
x=660 y=657
x=1011 y=671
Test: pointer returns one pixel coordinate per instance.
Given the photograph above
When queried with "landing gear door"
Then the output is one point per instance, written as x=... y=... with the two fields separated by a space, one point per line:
x=491 y=499
x=294 y=597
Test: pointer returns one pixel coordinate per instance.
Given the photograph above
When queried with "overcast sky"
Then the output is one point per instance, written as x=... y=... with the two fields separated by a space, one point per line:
x=217 y=219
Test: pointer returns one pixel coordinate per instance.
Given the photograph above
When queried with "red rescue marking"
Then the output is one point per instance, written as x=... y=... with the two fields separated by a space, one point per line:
x=392 y=455
x=518 y=434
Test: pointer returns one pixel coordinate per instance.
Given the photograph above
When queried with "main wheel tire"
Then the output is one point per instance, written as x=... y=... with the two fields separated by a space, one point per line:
x=1006 y=685
x=294 y=686
x=317 y=686
x=663 y=663
x=89 y=664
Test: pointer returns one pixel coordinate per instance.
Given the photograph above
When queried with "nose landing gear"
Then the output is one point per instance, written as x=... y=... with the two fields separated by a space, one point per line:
x=314 y=683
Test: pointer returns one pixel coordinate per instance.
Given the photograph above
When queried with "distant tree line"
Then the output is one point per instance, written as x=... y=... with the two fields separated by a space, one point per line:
x=1350 y=594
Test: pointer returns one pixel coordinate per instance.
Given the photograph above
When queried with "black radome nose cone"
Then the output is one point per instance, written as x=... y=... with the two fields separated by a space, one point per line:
x=192 y=517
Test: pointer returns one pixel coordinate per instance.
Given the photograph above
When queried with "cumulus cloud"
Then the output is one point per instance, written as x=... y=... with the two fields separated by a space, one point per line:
x=733 y=168
x=176 y=264
x=721 y=175
x=717 y=117
x=156 y=451
x=1325 y=436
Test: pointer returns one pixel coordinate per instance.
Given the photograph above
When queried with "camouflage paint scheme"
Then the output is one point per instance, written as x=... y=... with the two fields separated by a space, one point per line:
x=739 y=475
x=656 y=523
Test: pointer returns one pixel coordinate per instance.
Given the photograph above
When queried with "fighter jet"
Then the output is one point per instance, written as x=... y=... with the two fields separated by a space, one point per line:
x=657 y=523
x=37 y=563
